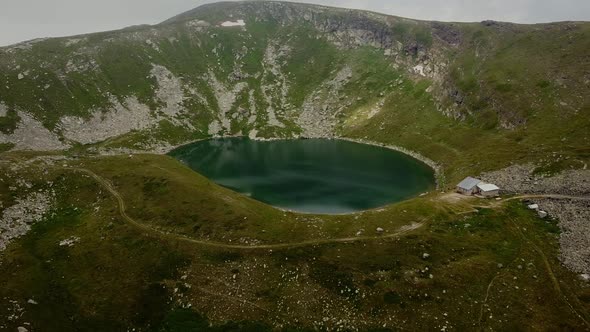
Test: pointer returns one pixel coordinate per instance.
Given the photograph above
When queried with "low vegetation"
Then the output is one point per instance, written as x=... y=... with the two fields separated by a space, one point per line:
x=137 y=241
x=459 y=269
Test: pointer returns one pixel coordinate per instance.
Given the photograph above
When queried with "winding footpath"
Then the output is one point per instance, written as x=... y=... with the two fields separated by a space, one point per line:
x=122 y=211
x=403 y=230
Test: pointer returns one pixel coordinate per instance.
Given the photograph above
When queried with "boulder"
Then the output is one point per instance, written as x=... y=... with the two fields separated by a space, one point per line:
x=543 y=214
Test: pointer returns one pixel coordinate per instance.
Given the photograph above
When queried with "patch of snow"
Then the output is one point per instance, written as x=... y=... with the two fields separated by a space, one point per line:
x=238 y=23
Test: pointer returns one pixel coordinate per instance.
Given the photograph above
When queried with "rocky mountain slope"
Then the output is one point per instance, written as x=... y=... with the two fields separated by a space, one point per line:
x=276 y=69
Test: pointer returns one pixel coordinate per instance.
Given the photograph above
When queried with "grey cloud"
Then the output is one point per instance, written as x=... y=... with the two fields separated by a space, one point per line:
x=27 y=19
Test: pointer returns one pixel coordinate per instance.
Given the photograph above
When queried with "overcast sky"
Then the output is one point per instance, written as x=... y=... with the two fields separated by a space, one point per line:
x=28 y=19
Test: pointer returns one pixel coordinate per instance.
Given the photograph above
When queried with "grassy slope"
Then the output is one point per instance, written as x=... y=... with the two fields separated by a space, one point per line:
x=514 y=76
x=118 y=276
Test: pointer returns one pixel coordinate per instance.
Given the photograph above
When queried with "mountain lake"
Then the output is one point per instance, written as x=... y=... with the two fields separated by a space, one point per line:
x=319 y=176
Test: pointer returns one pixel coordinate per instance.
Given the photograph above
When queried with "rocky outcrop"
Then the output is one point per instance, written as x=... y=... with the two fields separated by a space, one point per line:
x=226 y=98
x=319 y=111
x=30 y=134
x=520 y=179
x=17 y=219
x=130 y=114
x=120 y=118
x=573 y=214
x=574 y=221
x=275 y=86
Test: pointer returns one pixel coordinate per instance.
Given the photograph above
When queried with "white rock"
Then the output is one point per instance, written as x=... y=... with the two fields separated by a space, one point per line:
x=543 y=214
x=22 y=329
x=533 y=207
x=380 y=230
x=585 y=277
x=419 y=69
x=425 y=255
x=69 y=242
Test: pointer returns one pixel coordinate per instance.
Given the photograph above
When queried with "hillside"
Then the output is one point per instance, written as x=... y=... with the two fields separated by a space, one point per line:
x=446 y=90
x=101 y=231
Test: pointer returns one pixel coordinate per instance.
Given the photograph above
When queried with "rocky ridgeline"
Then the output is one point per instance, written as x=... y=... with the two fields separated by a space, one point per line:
x=122 y=114
x=573 y=214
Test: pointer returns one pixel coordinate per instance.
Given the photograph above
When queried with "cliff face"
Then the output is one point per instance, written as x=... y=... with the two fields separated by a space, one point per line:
x=275 y=69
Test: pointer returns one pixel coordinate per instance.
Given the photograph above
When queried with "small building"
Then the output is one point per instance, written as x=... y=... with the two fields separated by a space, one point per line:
x=468 y=186
x=488 y=190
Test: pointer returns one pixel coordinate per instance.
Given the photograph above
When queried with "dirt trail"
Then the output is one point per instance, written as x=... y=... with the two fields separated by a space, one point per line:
x=122 y=211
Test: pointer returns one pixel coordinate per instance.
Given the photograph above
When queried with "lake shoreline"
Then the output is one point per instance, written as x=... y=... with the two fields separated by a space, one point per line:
x=436 y=167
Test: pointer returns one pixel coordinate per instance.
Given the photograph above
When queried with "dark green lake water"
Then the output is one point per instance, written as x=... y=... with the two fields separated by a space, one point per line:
x=311 y=176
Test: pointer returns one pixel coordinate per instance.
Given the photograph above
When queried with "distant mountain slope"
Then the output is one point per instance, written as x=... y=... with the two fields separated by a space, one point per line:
x=450 y=91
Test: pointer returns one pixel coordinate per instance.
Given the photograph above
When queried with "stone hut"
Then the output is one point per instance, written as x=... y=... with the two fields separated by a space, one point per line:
x=488 y=190
x=468 y=186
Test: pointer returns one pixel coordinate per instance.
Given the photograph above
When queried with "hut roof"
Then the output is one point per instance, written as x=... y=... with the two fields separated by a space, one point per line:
x=469 y=183
x=485 y=187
